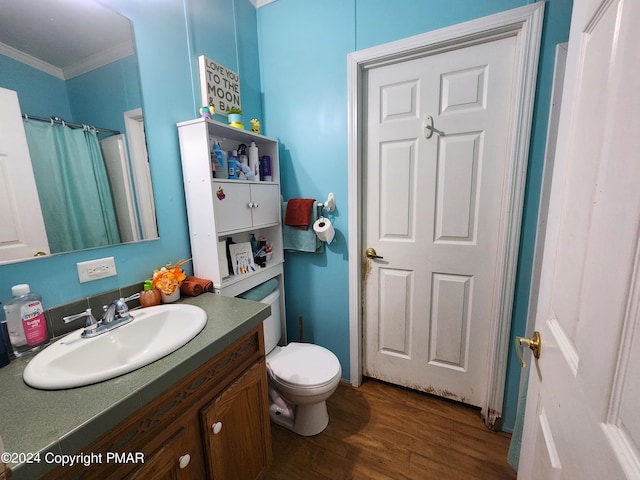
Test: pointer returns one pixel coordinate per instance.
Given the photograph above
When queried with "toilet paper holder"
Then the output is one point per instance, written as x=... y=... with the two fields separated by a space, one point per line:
x=330 y=205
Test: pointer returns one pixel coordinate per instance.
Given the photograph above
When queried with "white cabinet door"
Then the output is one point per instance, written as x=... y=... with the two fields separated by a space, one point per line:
x=231 y=206
x=265 y=200
x=241 y=206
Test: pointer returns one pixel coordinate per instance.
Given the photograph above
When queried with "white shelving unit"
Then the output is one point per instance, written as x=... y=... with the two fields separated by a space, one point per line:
x=218 y=208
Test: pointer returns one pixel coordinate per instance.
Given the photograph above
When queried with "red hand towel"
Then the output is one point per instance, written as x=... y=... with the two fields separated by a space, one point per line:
x=194 y=286
x=298 y=213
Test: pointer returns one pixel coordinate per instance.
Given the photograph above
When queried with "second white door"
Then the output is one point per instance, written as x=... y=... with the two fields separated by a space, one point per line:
x=437 y=150
x=22 y=230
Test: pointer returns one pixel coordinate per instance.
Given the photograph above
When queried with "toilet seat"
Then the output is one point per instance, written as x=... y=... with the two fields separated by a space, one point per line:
x=303 y=366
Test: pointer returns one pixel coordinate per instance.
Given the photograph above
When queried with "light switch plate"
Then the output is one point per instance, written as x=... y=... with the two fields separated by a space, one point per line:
x=96 y=269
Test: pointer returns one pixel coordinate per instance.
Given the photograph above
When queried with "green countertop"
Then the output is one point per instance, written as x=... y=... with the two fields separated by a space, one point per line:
x=65 y=421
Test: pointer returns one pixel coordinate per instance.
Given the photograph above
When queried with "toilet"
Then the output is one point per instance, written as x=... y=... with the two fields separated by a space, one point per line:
x=301 y=378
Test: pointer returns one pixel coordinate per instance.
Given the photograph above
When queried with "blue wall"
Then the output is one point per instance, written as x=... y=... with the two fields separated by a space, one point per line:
x=304 y=46
x=96 y=98
x=39 y=93
x=99 y=97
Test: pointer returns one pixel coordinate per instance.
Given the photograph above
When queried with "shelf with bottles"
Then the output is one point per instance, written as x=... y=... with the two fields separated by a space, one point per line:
x=239 y=162
x=230 y=139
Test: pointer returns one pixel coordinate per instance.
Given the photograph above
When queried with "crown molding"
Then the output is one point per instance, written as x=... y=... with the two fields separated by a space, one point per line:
x=31 y=61
x=98 y=60
x=86 y=65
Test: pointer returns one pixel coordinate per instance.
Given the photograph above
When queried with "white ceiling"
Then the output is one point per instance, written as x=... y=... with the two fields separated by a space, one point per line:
x=63 y=37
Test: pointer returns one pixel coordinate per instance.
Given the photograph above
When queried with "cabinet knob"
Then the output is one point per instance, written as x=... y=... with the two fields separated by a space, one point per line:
x=216 y=427
x=184 y=460
x=252 y=205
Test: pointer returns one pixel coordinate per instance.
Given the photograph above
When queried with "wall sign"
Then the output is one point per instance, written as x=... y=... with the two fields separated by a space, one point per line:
x=220 y=86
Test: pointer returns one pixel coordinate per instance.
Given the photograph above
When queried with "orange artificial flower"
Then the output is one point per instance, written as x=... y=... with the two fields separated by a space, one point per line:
x=168 y=279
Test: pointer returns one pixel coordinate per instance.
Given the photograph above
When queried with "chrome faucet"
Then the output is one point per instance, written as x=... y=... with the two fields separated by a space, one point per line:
x=113 y=316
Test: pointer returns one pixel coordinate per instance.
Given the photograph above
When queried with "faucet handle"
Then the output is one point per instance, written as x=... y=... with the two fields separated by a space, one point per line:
x=132 y=297
x=121 y=304
x=71 y=318
x=90 y=324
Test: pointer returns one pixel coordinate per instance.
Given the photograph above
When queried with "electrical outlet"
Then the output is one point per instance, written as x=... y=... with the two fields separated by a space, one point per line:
x=96 y=269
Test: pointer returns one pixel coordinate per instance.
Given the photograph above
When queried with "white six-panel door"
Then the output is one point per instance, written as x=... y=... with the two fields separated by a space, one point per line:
x=437 y=158
x=582 y=419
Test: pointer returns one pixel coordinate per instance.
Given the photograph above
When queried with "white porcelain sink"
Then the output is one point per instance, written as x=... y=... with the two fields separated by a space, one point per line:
x=154 y=332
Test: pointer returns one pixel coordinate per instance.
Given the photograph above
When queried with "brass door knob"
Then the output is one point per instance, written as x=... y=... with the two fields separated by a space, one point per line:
x=371 y=253
x=534 y=343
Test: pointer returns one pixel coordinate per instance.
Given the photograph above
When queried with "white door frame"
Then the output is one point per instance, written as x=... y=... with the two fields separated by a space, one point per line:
x=525 y=23
x=136 y=140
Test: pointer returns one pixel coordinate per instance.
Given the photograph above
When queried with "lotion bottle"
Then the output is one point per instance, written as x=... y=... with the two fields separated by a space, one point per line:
x=26 y=321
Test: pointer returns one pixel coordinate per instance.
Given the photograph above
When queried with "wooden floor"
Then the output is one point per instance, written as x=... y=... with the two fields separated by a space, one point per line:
x=379 y=431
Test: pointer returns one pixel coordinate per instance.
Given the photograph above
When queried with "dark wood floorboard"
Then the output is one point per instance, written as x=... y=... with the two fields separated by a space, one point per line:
x=380 y=431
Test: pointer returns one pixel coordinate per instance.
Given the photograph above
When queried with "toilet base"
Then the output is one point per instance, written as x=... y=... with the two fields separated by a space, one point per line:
x=308 y=420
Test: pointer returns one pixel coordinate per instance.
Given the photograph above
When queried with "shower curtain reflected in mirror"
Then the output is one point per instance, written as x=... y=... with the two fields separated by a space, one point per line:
x=73 y=186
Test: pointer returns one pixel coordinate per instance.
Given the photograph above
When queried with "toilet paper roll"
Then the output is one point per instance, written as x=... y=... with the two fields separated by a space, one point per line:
x=324 y=230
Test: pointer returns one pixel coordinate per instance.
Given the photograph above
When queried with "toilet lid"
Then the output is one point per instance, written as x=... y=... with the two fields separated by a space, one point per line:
x=304 y=364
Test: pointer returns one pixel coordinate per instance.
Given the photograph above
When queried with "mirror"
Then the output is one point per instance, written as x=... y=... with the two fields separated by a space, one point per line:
x=75 y=61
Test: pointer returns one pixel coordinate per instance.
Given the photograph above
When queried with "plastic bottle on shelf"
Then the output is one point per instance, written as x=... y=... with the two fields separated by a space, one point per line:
x=232 y=161
x=265 y=168
x=254 y=243
x=26 y=321
x=254 y=162
x=242 y=154
x=222 y=171
x=213 y=161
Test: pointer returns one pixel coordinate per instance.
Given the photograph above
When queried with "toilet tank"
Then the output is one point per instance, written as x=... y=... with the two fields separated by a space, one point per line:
x=272 y=326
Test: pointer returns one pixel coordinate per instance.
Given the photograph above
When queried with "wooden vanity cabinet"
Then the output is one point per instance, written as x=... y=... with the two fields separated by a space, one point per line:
x=174 y=431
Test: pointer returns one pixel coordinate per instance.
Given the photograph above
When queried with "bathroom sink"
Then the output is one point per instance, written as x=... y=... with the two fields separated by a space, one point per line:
x=74 y=361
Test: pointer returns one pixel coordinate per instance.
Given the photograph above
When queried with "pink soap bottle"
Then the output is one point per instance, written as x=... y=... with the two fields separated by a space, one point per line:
x=26 y=321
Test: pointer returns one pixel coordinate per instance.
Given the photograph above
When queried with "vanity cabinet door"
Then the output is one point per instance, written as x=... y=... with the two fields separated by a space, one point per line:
x=236 y=429
x=179 y=457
